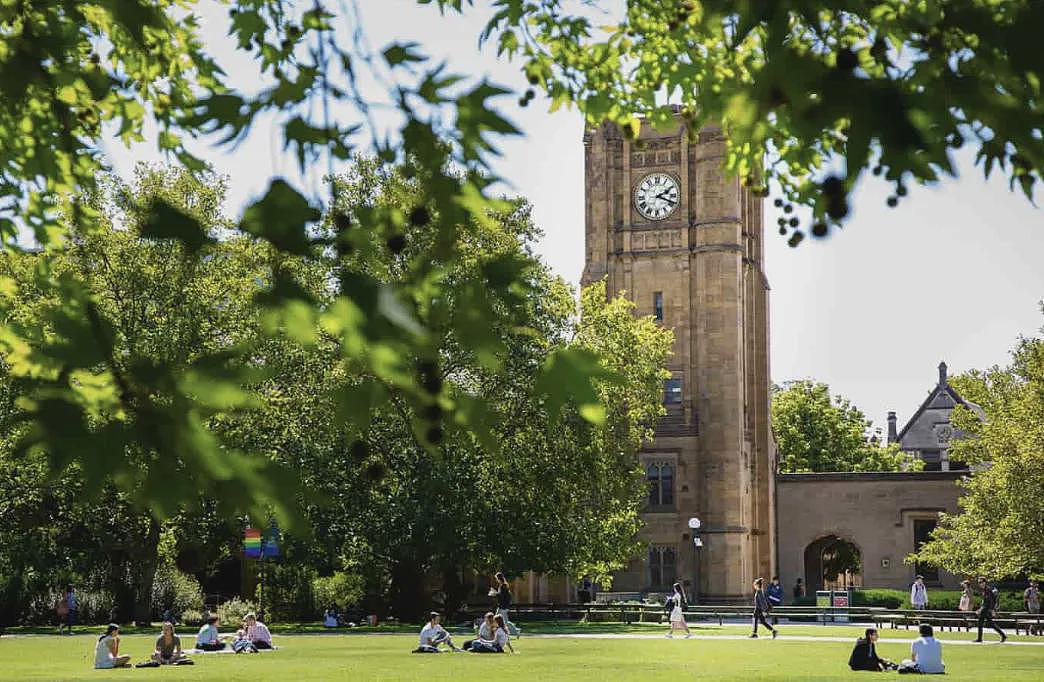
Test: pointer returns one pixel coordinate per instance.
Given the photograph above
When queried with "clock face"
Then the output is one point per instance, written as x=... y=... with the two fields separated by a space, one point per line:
x=656 y=196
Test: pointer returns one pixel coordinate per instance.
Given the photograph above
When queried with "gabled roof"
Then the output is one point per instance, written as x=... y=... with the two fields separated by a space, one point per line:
x=940 y=394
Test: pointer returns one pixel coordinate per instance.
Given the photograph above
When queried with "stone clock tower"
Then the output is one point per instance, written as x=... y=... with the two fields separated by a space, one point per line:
x=666 y=226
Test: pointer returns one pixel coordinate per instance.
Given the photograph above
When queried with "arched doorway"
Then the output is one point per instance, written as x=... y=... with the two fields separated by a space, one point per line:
x=832 y=563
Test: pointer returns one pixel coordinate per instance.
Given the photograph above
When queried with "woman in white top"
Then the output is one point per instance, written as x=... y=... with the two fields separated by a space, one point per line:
x=677 y=617
x=500 y=635
x=966 y=597
x=107 y=650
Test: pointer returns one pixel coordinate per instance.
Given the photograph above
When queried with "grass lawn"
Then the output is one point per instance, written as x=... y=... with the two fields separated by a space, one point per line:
x=387 y=657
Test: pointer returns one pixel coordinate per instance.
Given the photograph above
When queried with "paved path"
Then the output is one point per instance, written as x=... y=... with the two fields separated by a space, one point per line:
x=782 y=637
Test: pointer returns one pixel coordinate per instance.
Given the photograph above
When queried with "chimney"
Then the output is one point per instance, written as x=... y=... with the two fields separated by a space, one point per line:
x=942 y=373
x=893 y=434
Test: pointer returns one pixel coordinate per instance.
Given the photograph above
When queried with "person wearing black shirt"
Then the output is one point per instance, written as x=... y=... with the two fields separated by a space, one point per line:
x=986 y=609
x=864 y=655
x=504 y=603
x=799 y=589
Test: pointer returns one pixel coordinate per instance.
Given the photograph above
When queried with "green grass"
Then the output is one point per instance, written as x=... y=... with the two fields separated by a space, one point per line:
x=387 y=657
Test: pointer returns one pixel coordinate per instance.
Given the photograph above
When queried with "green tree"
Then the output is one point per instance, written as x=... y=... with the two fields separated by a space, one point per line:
x=815 y=431
x=541 y=487
x=997 y=531
x=817 y=87
x=163 y=307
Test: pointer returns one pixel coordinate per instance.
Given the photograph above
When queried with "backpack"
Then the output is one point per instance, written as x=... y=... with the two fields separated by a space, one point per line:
x=668 y=604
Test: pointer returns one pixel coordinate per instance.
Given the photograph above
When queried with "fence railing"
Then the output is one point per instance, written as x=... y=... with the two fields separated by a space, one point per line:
x=630 y=613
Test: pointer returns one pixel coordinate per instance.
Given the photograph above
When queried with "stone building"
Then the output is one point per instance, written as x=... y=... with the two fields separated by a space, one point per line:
x=929 y=432
x=880 y=517
x=666 y=226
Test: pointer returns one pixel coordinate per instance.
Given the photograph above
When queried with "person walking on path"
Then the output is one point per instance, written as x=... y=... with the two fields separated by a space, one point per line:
x=761 y=607
x=775 y=595
x=919 y=594
x=67 y=610
x=677 y=612
x=504 y=603
x=1031 y=599
x=966 y=597
x=987 y=608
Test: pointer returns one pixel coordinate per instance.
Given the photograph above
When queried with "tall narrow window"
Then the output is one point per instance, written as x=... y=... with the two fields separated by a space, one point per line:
x=672 y=392
x=662 y=572
x=659 y=476
x=658 y=305
x=922 y=528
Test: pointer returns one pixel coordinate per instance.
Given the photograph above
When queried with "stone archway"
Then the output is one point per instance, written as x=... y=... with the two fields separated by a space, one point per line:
x=832 y=562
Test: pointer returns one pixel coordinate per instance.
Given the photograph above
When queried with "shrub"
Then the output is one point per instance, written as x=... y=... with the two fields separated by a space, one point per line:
x=93 y=607
x=192 y=617
x=288 y=593
x=889 y=599
x=343 y=589
x=174 y=590
x=234 y=610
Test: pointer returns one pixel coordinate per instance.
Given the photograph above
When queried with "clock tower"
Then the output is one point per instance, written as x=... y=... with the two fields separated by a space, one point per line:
x=665 y=225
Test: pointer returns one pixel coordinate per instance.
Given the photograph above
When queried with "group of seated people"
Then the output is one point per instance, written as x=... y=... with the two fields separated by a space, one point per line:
x=492 y=637
x=925 y=655
x=250 y=638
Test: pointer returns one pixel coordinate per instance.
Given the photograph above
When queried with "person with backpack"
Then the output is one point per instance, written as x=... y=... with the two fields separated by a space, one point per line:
x=677 y=617
x=987 y=609
x=504 y=603
x=919 y=594
x=775 y=595
x=761 y=607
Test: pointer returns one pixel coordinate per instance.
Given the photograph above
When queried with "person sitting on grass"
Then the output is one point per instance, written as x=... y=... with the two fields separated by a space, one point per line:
x=432 y=635
x=925 y=654
x=168 y=646
x=257 y=632
x=107 y=650
x=485 y=632
x=330 y=619
x=864 y=655
x=207 y=638
x=501 y=636
x=242 y=644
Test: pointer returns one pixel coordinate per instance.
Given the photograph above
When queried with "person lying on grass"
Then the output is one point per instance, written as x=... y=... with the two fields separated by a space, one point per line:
x=168 y=646
x=107 y=650
x=207 y=638
x=257 y=632
x=432 y=635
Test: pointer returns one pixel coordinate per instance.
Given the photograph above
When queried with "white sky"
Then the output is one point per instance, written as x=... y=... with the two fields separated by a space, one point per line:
x=954 y=273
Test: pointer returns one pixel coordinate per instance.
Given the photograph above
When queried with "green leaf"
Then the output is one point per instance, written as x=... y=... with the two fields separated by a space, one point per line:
x=281 y=217
x=165 y=221
x=402 y=53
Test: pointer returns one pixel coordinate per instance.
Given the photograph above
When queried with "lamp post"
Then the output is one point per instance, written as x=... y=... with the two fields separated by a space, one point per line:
x=694 y=526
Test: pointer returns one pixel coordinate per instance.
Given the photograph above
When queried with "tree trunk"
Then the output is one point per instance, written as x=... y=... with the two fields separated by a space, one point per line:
x=144 y=574
x=408 y=598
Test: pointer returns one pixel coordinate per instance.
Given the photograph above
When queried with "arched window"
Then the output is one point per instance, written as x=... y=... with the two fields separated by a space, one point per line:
x=660 y=478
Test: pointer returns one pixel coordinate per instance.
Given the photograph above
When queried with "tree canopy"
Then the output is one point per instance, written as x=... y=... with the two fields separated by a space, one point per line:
x=809 y=96
x=815 y=431
x=998 y=530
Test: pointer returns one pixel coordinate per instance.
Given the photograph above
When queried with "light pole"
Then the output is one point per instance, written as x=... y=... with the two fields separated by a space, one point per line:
x=694 y=526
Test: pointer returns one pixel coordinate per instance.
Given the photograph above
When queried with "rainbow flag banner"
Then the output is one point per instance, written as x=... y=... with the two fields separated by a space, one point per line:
x=252 y=543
